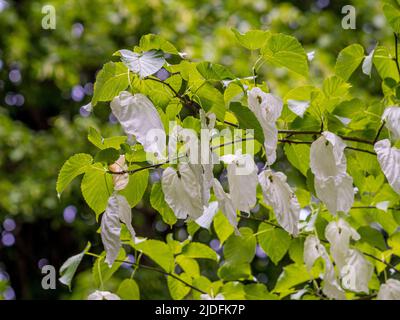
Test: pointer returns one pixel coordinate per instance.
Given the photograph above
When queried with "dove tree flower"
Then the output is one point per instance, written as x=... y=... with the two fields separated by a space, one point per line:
x=313 y=249
x=328 y=164
x=138 y=116
x=278 y=194
x=391 y=116
x=102 y=295
x=390 y=290
x=120 y=180
x=357 y=272
x=183 y=191
x=389 y=160
x=242 y=179
x=339 y=233
x=117 y=211
x=267 y=109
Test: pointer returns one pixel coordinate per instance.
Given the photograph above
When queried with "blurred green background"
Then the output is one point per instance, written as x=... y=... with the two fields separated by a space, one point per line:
x=46 y=76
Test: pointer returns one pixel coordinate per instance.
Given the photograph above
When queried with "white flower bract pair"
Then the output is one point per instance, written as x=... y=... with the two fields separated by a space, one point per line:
x=138 y=116
x=333 y=185
x=117 y=211
x=267 y=109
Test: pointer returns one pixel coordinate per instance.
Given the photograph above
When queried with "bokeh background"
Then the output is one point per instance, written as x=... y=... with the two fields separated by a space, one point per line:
x=46 y=76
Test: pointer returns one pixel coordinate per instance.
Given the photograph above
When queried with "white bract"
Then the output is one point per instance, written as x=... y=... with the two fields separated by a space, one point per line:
x=313 y=250
x=208 y=215
x=389 y=160
x=120 y=181
x=145 y=63
x=242 y=179
x=391 y=116
x=103 y=295
x=389 y=290
x=367 y=63
x=206 y=296
x=117 y=210
x=298 y=107
x=182 y=191
x=225 y=203
x=278 y=194
x=332 y=183
x=267 y=109
x=138 y=116
x=339 y=233
x=356 y=272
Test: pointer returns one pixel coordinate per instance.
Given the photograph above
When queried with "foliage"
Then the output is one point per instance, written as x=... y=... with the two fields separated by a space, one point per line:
x=335 y=251
x=39 y=136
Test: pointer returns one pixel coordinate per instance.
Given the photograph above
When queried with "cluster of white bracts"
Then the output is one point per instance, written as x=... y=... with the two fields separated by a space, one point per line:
x=352 y=268
x=187 y=188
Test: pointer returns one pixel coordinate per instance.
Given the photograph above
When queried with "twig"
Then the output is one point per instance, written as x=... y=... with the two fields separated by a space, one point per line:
x=361 y=150
x=139 y=265
x=396 y=58
x=379 y=132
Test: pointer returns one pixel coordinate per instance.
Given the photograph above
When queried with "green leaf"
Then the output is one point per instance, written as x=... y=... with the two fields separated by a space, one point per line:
x=177 y=289
x=199 y=250
x=102 y=272
x=391 y=9
x=394 y=243
x=157 y=201
x=97 y=187
x=233 y=93
x=258 y=291
x=291 y=276
x=73 y=167
x=348 y=61
x=211 y=100
x=109 y=155
x=286 y=51
x=296 y=250
x=69 y=267
x=384 y=63
x=222 y=227
x=233 y=291
x=159 y=252
x=232 y=271
x=373 y=237
x=188 y=265
x=299 y=156
x=136 y=187
x=214 y=71
x=155 y=42
x=128 y=290
x=110 y=81
x=247 y=120
x=253 y=39
x=274 y=241
x=95 y=137
x=240 y=249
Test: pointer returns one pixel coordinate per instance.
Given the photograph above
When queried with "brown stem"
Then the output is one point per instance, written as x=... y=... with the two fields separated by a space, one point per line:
x=396 y=58
x=379 y=132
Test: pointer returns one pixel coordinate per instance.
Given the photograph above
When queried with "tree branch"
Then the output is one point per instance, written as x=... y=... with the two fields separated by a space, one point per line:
x=396 y=58
x=139 y=265
x=379 y=132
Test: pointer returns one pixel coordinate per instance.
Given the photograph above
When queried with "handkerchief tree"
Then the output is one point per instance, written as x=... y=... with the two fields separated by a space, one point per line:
x=330 y=233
